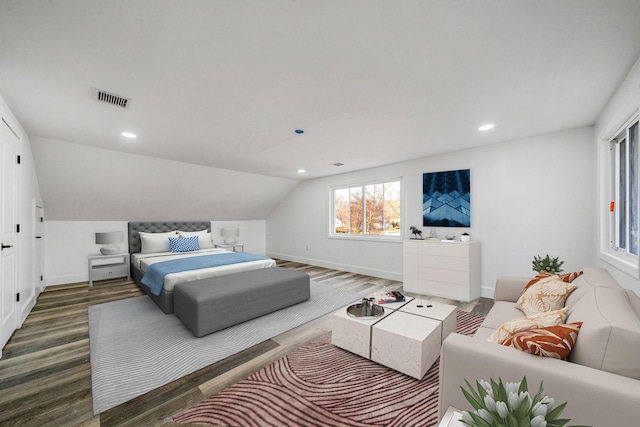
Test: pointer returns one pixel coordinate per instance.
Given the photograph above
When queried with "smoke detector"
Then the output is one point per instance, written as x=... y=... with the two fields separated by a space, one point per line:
x=111 y=98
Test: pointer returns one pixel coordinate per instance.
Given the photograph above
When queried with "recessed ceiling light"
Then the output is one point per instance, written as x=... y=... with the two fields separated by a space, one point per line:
x=486 y=127
x=129 y=135
x=301 y=170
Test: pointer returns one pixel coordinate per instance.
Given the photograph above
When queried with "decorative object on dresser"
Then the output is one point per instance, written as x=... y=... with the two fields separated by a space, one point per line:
x=230 y=234
x=465 y=237
x=449 y=269
x=415 y=232
x=109 y=239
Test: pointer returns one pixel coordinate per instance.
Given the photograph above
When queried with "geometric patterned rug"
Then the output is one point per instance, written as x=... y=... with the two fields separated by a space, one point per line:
x=322 y=385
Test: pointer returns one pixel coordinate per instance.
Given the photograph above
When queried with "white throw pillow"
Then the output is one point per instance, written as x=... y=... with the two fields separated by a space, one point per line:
x=547 y=294
x=154 y=244
x=535 y=321
x=204 y=237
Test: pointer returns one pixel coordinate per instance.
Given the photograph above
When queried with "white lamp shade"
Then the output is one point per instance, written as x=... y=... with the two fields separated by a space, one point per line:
x=230 y=234
x=109 y=239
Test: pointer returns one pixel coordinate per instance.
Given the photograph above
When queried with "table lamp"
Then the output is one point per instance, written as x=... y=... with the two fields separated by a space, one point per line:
x=230 y=234
x=109 y=239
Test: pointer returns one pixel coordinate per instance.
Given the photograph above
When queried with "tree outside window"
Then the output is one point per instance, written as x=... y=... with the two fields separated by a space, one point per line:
x=367 y=210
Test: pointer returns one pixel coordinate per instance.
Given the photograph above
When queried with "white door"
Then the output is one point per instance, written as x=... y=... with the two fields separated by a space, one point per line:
x=9 y=252
x=38 y=258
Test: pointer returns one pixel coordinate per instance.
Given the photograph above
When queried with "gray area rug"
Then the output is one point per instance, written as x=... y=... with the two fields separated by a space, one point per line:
x=136 y=348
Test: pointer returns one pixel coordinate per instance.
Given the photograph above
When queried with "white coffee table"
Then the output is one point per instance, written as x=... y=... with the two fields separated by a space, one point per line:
x=417 y=331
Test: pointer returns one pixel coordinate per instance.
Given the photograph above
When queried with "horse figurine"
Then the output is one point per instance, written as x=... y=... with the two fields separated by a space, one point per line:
x=415 y=232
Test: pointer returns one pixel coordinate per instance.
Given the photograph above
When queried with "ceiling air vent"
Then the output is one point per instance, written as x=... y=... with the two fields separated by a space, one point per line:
x=110 y=98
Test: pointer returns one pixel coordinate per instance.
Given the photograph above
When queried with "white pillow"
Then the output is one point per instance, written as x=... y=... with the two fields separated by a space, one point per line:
x=204 y=237
x=165 y=233
x=154 y=244
x=192 y=233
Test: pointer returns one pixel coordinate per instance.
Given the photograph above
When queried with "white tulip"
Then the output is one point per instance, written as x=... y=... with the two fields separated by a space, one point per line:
x=489 y=403
x=512 y=387
x=466 y=417
x=539 y=409
x=486 y=415
x=516 y=399
x=502 y=409
x=538 y=421
x=487 y=387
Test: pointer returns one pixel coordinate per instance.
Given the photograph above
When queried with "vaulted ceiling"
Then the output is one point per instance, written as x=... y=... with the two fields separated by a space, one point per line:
x=370 y=82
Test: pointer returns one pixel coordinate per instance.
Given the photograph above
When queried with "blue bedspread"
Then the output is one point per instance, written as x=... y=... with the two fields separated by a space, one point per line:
x=154 y=275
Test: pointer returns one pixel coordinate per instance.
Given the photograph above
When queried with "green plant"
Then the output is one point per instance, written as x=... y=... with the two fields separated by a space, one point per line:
x=547 y=264
x=510 y=405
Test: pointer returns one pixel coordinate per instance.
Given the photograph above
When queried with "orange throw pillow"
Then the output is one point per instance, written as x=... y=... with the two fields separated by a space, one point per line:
x=567 y=277
x=553 y=341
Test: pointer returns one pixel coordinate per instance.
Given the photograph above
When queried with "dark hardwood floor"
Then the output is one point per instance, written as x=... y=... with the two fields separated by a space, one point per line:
x=45 y=373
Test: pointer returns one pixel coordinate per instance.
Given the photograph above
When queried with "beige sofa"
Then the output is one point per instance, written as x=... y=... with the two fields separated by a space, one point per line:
x=601 y=380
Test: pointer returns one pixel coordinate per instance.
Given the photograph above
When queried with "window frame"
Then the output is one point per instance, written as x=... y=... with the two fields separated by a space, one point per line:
x=365 y=237
x=610 y=250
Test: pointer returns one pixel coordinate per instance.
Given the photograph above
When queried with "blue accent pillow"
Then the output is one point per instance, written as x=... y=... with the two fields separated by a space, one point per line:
x=184 y=244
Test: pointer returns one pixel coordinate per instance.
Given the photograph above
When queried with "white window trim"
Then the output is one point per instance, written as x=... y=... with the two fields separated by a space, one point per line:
x=367 y=237
x=622 y=261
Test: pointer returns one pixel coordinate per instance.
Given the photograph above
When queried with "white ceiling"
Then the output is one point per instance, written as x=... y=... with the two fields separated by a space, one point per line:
x=371 y=82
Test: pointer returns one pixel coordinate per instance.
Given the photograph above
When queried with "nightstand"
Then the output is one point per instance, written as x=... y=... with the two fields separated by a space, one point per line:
x=235 y=248
x=102 y=267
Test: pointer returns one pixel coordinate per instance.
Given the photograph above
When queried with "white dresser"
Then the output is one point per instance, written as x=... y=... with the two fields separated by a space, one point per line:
x=444 y=269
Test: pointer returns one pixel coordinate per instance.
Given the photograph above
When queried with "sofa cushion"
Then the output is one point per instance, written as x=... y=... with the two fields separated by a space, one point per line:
x=591 y=278
x=610 y=335
x=538 y=320
x=634 y=301
x=501 y=312
x=547 y=294
x=552 y=341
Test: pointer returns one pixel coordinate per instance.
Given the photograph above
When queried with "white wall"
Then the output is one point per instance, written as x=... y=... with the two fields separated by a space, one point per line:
x=68 y=243
x=82 y=183
x=623 y=104
x=531 y=196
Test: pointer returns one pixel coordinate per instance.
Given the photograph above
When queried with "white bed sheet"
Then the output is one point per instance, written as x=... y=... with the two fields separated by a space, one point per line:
x=143 y=261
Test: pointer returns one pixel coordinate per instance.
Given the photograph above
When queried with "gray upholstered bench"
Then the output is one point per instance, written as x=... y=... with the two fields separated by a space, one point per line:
x=208 y=305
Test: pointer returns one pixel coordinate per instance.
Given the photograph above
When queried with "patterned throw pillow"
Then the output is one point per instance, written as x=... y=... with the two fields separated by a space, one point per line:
x=547 y=294
x=553 y=341
x=184 y=244
x=567 y=277
x=521 y=324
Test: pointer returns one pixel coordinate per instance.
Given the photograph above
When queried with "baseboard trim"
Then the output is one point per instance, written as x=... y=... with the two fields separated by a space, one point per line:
x=65 y=280
x=336 y=266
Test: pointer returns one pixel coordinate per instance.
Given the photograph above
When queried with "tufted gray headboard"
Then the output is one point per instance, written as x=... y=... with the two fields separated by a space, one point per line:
x=158 y=227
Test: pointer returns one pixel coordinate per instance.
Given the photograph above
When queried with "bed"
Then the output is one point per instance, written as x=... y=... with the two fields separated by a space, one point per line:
x=146 y=246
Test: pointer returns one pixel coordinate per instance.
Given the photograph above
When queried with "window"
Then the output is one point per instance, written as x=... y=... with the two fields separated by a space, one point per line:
x=371 y=210
x=623 y=187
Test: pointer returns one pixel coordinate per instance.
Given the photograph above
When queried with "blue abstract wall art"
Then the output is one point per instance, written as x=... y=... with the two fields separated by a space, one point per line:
x=446 y=199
